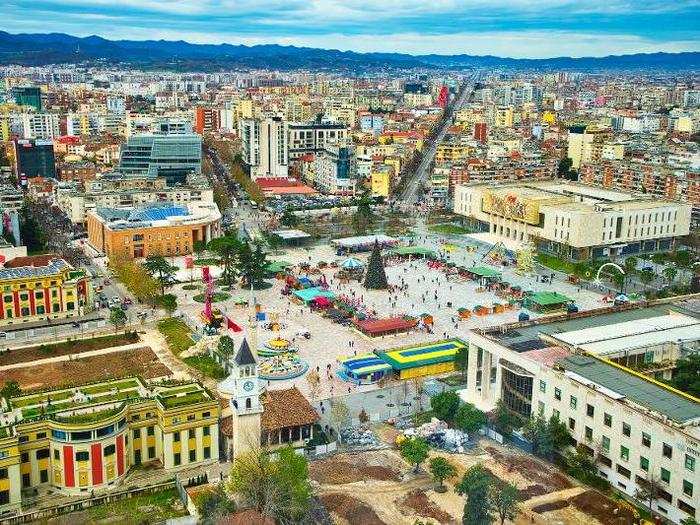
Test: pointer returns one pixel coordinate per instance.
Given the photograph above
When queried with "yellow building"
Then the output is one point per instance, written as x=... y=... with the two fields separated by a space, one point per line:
x=549 y=117
x=451 y=151
x=42 y=287
x=162 y=229
x=380 y=180
x=503 y=117
x=87 y=438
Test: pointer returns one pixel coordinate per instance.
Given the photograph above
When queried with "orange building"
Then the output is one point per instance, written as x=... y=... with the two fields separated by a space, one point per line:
x=156 y=229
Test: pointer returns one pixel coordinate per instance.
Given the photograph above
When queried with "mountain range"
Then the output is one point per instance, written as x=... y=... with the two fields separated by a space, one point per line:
x=60 y=48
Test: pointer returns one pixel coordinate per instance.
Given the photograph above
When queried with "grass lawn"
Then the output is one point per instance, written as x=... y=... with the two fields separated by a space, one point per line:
x=217 y=297
x=207 y=261
x=206 y=365
x=145 y=508
x=449 y=229
x=176 y=333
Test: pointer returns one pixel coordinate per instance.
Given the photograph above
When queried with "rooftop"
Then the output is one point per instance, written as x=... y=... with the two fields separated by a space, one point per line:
x=621 y=383
x=286 y=408
x=53 y=267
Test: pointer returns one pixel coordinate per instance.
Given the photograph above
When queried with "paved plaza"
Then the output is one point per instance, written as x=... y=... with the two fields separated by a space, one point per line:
x=425 y=290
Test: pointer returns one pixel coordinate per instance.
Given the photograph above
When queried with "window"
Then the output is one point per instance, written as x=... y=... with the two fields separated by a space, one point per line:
x=43 y=476
x=543 y=386
x=26 y=480
x=82 y=456
x=193 y=456
x=690 y=463
x=624 y=453
x=207 y=452
x=607 y=419
x=646 y=439
x=137 y=433
x=572 y=423
x=686 y=508
x=176 y=459
x=81 y=436
x=623 y=471
x=589 y=433
x=590 y=410
x=667 y=451
x=150 y=431
x=4 y=497
x=555 y=413
x=190 y=433
x=23 y=439
x=626 y=429
x=572 y=402
x=151 y=452
x=42 y=453
x=557 y=394
x=206 y=431
x=56 y=455
x=665 y=475
x=206 y=414
x=109 y=450
x=644 y=464
x=40 y=435
x=606 y=443
x=687 y=488
x=24 y=457
x=3 y=473
x=176 y=437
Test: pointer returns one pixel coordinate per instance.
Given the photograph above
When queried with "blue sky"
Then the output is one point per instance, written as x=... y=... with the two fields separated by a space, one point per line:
x=515 y=28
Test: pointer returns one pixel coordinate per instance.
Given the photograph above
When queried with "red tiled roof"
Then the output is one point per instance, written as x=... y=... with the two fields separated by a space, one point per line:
x=31 y=260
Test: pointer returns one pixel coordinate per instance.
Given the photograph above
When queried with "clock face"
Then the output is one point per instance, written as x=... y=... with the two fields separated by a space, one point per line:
x=248 y=386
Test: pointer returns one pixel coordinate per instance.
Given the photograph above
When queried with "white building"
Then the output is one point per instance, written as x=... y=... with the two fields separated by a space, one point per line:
x=336 y=170
x=40 y=126
x=637 y=429
x=265 y=147
x=573 y=220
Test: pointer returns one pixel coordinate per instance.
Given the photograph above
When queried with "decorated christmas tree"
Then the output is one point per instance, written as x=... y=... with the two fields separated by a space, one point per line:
x=375 y=279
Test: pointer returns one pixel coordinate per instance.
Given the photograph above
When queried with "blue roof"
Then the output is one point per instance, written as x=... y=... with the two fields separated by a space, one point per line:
x=158 y=212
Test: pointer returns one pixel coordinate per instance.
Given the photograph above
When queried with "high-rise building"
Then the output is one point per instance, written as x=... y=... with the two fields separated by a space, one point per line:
x=40 y=126
x=171 y=156
x=34 y=158
x=480 y=131
x=27 y=96
x=312 y=137
x=206 y=119
x=265 y=147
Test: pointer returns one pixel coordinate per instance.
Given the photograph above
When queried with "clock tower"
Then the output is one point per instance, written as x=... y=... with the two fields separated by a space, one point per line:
x=242 y=387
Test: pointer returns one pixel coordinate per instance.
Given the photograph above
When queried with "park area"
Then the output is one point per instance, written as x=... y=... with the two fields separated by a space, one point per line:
x=378 y=487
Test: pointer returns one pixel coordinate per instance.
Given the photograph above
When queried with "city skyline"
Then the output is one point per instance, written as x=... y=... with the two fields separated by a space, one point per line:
x=520 y=29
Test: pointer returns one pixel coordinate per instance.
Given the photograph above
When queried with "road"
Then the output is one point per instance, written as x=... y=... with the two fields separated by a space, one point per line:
x=411 y=193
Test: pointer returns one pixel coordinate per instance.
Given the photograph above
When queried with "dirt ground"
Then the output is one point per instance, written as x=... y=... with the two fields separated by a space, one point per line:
x=142 y=361
x=378 y=487
x=32 y=353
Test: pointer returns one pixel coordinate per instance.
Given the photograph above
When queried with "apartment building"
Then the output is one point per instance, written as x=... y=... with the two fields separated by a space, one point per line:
x=312 y=137
x=638 y=430
x=585 y=144
x=265 y=147
x=335 y=170
x=574 y=221
x=40 y=126
x=88 y=437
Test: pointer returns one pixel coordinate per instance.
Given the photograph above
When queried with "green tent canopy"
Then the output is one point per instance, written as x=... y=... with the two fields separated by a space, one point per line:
x=484 y=271
x=548 y=299
x=413 y=250
x=277 y=266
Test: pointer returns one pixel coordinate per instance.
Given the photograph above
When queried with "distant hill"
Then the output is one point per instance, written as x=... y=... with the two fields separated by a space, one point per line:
x=54 y=48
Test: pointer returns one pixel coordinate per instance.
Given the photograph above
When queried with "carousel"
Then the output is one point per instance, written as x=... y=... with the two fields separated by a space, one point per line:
x=276 y=346
x=282 y=366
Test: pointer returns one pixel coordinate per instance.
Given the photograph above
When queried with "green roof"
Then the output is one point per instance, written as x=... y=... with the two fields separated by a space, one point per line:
x=549 y=298
x=309 y=294
x=413 y=250
x=484 y=271
x=277 y=266
x=644 y=392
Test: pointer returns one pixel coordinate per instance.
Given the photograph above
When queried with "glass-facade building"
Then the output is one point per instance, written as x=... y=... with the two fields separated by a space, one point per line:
x=170 y=156
x=27 y=96
x=34 y=158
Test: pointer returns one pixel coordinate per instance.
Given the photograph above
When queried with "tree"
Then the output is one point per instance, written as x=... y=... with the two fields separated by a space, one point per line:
x=504 y=501
x=161 y=269
x=564 y=168
x=289 y=219
x=117 y=317
x=363 y=416
x=441 y=469
x=648 y=489
x=363 y=218
x=415 y=451
x=228 y=249
x=504 y=420
x=213 y=505
x=169 y=303
x=630 y=265
x=253 y=264
x=277 y=487
x=647 y=275
x=462 y=360
x=225 y=345
x=10 y=389
x=444 y=405
x=469 y=418
x=376 y=276
x=475 y=485
x=314 y=382
x=670 y=273
x=340 y=413
x=546 y=436
x=686 y=376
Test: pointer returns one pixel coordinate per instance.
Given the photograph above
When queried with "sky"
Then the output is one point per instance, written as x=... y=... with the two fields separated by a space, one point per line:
x=512 y=28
